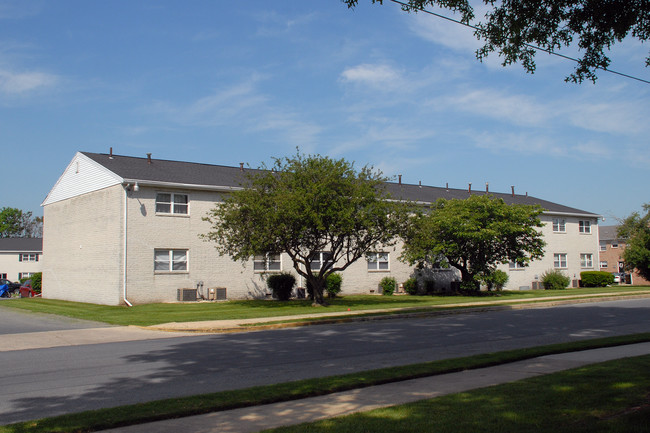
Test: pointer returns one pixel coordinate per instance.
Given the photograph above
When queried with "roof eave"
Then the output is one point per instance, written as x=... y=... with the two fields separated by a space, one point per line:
x=177 y=185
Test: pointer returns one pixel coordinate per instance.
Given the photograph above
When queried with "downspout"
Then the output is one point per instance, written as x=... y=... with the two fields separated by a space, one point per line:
x=126 y=214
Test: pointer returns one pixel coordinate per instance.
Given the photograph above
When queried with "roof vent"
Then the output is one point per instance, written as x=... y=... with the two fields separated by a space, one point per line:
x=447 y=186
x=513 y=190
x=420 y=184
x=110 y=156
x=487 y=188
x=469 y=189
x=241 y=166
x=148 y=158
x=399 y=176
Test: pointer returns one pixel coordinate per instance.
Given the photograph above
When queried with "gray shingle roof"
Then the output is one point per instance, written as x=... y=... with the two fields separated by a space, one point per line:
x=21 y=244
x=608 y=233
x=191 y=173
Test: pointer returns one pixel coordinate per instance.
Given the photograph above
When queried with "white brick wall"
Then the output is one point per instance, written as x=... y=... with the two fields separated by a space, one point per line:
x=82 y=247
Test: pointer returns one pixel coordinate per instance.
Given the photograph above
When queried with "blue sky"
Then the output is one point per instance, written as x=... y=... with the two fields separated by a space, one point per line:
x=230 y=82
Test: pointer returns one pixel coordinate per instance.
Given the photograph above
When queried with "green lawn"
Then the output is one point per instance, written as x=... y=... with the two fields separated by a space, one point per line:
x=152 y=314
x=608 y=397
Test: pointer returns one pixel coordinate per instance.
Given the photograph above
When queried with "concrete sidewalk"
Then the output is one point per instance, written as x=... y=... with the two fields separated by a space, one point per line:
x=254 y=419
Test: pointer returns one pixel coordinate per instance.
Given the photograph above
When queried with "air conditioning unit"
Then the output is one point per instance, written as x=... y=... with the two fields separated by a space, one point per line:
x=575 y=283
x=221 y=293
x=537 y=285
x=186 y=295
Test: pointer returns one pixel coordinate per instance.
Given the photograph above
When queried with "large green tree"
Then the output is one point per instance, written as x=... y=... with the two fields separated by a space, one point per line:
x=513 y=28
x=635 y=229
x=316 y=209
x=14 y=223
x=473 y=235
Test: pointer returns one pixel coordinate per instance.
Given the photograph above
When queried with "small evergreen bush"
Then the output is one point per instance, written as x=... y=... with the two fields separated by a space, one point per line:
x=554 y=279
x=333 y=285
x=596 y=278
x=411 y=286
x=38 y=276
x=387 y=285
x=281 y=285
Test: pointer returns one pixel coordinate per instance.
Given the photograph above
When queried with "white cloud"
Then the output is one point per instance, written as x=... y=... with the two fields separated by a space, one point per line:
x=243 y=107
x=443 y=32
x=516 y=109
x=371 y=75
x=20 y=83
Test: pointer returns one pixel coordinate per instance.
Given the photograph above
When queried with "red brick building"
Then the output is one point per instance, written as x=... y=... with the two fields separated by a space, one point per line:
x=611 y=254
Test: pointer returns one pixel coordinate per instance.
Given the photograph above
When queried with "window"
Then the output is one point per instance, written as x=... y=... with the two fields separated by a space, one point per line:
x=559 y=260
x=377 y=261
x=603 y=246
x=3 y=276
x=603 y=264
x=614 y=244
x=319 y=260
x=170 y=261
x=267 y=262
x=586 y=260
x=22 y=275
x=28 y=257
x=559 y=225
x=172 y=203
x=514 y=265
x=584 y=226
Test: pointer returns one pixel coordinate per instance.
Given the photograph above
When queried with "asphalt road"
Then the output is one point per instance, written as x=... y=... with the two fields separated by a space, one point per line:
x=45 y=382
x=20 y=322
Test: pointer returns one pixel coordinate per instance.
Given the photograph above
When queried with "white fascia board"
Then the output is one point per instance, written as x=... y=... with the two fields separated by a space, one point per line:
x=81 y=176
x=572 y=214
x=175 y=185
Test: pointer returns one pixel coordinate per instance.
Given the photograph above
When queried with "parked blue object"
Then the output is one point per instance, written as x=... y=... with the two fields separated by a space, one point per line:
x=4 y=291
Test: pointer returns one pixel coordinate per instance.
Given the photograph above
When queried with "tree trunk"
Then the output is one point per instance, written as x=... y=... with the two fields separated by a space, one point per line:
x=317 y=285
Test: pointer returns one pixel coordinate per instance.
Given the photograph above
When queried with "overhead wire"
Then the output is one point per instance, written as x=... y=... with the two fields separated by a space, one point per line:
x=528 y=45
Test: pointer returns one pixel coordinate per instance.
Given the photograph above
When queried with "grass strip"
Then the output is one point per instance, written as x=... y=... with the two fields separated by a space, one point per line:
x=610 y=397
x=154 y=314
x=179 y=407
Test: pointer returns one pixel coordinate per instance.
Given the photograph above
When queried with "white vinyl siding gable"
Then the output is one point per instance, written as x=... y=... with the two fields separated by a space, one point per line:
x=83 y=175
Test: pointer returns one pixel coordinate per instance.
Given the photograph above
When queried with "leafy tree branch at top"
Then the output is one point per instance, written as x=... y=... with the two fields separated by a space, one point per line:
x=635 y=229
x=514 y=29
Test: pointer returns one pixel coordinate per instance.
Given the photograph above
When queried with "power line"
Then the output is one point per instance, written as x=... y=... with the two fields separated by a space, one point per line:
x=528 y=45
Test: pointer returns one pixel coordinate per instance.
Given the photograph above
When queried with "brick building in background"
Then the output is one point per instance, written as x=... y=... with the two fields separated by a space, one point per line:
x=611 y=254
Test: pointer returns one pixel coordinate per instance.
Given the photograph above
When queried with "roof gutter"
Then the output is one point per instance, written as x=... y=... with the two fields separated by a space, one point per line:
x=160 y=184
x=573 y=214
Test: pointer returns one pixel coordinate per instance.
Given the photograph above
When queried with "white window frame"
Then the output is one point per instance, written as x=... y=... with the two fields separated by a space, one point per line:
x=602 y=246
x=586 y=260
x=175 y=205
x=514 y=266
x=267 y=263
x=614 y=244
x=584 y=226
x=560 y=261
x=559 y=225
x=28 y=257
x=603 y=263
x=22 y=275
x=177 y=260
x=322 y=257
x=378 y=261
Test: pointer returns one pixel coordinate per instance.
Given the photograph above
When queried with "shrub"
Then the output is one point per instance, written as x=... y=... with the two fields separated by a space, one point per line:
x=281 y=285
x=496 y=280
x=554 y=279
x=37 y=277
x=411 y=286
x=333 y=285
x=387 y=285
x=429 y=286
x=596 y=278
